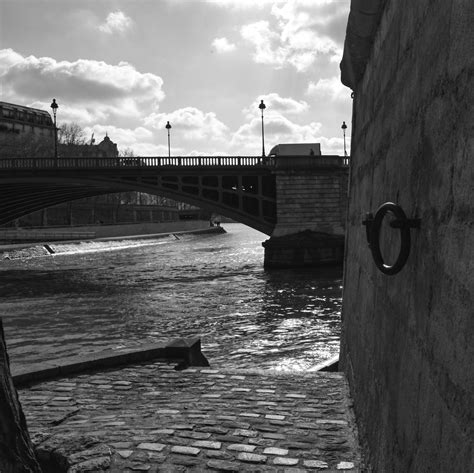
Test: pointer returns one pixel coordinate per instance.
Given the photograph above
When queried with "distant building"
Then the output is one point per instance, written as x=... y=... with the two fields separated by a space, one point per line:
x=105 y=149
x=20 y=120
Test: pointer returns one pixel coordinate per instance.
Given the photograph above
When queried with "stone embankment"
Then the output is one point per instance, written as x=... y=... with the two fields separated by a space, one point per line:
x=151 y=417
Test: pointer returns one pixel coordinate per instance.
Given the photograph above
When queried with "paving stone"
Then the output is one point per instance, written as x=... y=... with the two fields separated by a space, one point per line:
x=214 y=430
x=167 y=411
x=182 y=426
x=124 y=453
x=315 y=464
x=245 y=433
x=275 y=451
x=184 y=450
x=345 y=466
x=207 y=444
x=285 y=461
x=251 y=458
x=194 y=435
x=274 y=416
x=223 y=465
x=270 y=435
x=156 y=447
x=218 y=454
x=162 y=432
x=241 y=447
x=262 y=442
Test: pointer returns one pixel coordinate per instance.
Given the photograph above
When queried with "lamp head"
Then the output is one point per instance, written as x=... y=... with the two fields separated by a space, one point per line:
x=262 y=106
x=54 y=106
x=344 y=126
x=168 y=126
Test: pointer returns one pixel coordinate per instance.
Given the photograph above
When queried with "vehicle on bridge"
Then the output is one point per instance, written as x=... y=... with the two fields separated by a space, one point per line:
x=296 y=149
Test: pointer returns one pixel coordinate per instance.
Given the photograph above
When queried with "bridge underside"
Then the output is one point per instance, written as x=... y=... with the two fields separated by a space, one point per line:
x=246 y=195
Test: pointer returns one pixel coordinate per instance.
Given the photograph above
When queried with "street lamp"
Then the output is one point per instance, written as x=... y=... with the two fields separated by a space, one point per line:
x=168 y=127
x=344 y=128
x=262 y=108
x=54 y=107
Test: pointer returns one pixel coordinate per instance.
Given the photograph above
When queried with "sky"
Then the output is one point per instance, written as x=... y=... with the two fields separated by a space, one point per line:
x=126 y=67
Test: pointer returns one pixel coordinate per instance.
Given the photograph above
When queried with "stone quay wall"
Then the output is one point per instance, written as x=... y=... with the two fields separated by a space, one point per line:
x=311 y=199
x=407 y=343
x=311 y=213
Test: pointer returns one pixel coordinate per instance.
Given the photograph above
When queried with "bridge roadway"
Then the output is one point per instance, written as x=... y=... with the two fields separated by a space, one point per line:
x=239 y=187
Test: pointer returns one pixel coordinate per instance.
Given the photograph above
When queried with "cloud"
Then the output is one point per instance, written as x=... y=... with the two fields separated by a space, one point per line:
x=190 y=123
x=276 y=105
x=266 y=43
x=329 y=89
x=8 y=58
x=241 y=4
x=93 y=90
x=298 y=33
x=278 y=129
x=222 y=45
x=116 y=22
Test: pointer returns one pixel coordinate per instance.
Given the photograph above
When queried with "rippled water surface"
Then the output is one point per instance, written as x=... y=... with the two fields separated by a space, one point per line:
x=92 y=296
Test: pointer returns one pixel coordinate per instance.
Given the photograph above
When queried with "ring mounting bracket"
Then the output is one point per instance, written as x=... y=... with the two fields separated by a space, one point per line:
x=372 y=227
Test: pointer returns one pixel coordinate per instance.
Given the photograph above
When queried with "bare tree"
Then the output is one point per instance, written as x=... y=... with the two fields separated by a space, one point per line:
x=71 y=134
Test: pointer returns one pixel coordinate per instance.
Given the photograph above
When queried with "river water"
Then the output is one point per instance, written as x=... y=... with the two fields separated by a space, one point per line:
x=98 y=295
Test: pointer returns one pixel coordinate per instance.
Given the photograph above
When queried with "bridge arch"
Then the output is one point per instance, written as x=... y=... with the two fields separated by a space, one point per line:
x=246 y=193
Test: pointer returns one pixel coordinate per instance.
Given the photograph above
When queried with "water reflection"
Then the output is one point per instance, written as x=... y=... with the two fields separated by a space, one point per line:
x=214 y=286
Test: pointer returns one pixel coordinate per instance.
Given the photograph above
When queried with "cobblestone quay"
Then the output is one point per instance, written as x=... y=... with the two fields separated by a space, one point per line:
x=150 y=417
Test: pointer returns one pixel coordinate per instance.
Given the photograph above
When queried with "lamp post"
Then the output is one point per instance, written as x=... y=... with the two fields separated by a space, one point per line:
x=344 y=128
x=262 y=108
x=54 y=107
x=168 y=127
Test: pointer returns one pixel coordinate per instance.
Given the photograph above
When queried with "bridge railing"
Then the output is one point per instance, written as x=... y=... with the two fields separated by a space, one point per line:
x=278 y=162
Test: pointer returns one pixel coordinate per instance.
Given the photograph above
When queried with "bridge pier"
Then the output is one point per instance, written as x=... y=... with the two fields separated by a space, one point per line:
x=311 y=195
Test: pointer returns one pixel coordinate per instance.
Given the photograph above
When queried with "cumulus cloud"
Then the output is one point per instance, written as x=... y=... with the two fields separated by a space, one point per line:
x=241 y=4
x=276 y=105
x=116 y=22
x=222 y=45
x=278 y=129
x=298 y=34
x=331 y=89
x=266 y=42
x=93 y=90
x=190 y=123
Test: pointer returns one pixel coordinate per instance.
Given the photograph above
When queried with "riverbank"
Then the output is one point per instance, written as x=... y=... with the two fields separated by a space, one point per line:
x=51 y=246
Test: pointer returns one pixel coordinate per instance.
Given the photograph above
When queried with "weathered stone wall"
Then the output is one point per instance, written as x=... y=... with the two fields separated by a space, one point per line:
x=311 y=199
x=407 y=344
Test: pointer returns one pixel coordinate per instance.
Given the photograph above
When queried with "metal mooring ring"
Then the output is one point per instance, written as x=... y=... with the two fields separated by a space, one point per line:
x=373 y=225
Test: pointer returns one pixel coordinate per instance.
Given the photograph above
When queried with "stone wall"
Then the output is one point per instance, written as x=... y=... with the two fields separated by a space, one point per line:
x=311 y=199
x=311 y=212
x=407 y=343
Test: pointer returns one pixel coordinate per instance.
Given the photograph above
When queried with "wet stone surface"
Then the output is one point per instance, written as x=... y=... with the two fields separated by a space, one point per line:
x=193 y=420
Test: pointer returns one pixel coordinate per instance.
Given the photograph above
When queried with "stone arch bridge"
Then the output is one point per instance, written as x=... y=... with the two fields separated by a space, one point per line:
x=278 y=196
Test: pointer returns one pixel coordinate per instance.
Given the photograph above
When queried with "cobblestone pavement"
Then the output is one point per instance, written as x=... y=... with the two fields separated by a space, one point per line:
x=152 y=418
